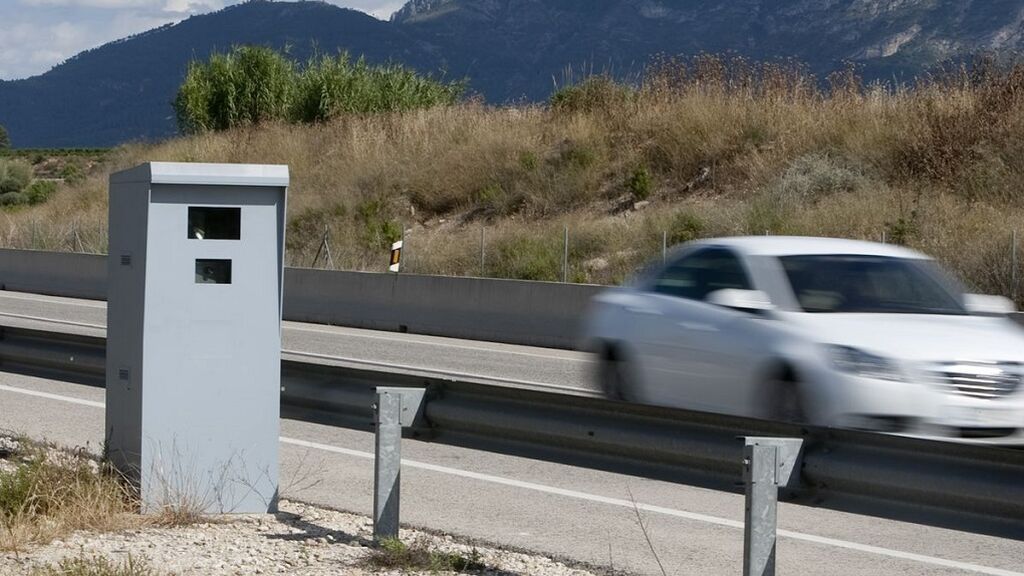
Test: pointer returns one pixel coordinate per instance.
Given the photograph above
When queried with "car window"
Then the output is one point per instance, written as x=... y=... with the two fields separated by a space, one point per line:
x=696 y=275
x=866 y=284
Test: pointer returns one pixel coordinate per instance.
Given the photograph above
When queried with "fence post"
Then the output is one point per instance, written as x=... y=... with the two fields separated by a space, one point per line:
x=664 y=246
x=767 y=464
x=483 y=262
x=395 y=408
x=565 y=256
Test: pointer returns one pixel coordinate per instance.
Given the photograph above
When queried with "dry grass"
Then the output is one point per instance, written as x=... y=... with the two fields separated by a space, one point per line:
x=98 y=566
x=717 y=146
x=48 y=493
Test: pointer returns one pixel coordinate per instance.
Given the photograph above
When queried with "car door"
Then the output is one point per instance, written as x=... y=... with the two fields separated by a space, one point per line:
x=693 y=354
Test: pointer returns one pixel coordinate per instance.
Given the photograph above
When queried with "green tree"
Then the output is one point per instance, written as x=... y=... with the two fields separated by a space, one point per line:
x=5 y=139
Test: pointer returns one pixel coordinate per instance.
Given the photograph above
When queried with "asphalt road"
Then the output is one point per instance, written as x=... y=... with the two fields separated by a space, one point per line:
x=588 y=516
x=584 y=515
x=466 y=359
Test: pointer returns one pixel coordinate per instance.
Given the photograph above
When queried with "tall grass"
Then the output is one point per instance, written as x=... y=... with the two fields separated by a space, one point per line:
x=716 y=145
x=251 y=85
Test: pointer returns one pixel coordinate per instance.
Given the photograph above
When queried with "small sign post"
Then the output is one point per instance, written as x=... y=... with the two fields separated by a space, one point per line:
x=396 y=256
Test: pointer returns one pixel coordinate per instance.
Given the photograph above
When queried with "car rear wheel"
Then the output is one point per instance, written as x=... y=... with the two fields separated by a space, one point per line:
x=785 y=402
x=614 y=378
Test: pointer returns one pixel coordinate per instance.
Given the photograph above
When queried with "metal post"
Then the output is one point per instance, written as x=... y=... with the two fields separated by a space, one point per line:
x=565 y=257
x=883 y=237
x=759 y=521
x=767 y=464
x=482 y=253
x=387 y=465
x=1013 y=267
x=396 y=408
x=664 y=246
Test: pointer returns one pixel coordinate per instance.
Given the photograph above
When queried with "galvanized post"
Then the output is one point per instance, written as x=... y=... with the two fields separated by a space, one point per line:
x=482 y=253
x=565 y=256
x=1013 y=267
x=664 y=246
x=761 y=507
x=396 y=408
x=767 y=464
x=387 y=465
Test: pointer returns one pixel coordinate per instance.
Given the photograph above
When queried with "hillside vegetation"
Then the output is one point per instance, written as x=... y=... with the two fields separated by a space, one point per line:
x=705 y=147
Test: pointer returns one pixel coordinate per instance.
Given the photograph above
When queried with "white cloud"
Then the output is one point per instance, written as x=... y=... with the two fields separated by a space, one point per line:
x=36 y=35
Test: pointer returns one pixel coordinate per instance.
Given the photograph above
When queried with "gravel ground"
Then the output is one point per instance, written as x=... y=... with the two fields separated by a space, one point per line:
x=300 y=540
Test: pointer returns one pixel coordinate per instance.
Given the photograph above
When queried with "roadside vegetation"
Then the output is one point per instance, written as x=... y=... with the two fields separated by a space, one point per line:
x=698 y=147
x=46 y=493
x=420 y=556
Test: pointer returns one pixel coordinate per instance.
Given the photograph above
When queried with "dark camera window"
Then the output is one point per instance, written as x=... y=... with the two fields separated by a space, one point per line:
x=213 y=271
x=214 y=223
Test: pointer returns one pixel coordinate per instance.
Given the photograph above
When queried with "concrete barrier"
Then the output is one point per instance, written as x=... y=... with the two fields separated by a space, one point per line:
x=509 y=311
x=54 y=273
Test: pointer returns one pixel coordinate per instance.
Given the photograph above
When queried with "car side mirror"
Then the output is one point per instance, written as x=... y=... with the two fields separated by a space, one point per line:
x=744 y=300
x=985 y=305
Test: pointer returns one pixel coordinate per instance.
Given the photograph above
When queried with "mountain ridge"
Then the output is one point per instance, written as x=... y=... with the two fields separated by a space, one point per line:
x=511 y=50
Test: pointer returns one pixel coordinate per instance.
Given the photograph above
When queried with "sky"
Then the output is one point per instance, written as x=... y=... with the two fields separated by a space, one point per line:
x=36 y=35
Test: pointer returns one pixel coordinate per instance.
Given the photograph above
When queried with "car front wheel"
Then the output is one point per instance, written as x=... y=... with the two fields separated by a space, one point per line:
x=614 y=378
x=785 y=403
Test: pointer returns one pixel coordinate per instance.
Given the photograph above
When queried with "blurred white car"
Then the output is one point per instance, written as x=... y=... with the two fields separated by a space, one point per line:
x=830 y=332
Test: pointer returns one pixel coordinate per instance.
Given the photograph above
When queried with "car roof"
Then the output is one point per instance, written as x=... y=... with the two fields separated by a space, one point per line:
x=808 y=245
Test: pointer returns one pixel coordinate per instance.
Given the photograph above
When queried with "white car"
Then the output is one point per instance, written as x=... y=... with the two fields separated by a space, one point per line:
x=829 y=332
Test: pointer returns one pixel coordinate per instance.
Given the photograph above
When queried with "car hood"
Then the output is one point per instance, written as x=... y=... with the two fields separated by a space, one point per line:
x=917 y=337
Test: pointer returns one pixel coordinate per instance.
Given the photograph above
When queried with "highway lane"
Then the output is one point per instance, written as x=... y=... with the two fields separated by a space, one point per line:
x=583 y=515
x=485 y=362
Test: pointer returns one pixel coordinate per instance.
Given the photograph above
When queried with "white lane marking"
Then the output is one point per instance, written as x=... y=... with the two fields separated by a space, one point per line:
x=66 y=301
x=344 y=331
x=714 y=520
x=441 y=373
x=52 y=321
x=48 y=396
x=877 y=550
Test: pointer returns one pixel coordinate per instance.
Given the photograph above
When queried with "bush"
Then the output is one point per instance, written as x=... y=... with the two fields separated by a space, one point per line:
x=5 y=139
x=640 y=184
x=14 y=175
x=251 y=85
x=329 y=87
x=420 y=556
x=72 y=173
x=13 y=199
x=592 y=94
x=684 y=228
x=527 y=257
x=40 y=191
x=97 y=566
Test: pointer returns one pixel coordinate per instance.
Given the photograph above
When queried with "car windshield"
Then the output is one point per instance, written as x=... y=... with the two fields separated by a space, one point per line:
x=870 y=284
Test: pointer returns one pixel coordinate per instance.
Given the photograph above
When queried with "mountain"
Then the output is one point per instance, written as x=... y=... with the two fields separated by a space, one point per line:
x=123 y=90
x=509 y=49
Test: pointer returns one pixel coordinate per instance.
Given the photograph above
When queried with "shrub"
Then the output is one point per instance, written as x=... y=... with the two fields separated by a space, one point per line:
x=5 y=139
x=420 y=556
x=72 y=173
x=685 y=227
x=331 y=86
x=594 y=93
x=248 y=85
x=251 y=85
x=640 y=183
x=15 y=175
x=527 y=257
x=13 y=199
x=379 y=231
x=39 y=191
x=97 y=566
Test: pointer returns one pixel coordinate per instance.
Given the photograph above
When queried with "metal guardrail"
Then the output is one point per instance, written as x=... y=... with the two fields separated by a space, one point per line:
x=969 y=487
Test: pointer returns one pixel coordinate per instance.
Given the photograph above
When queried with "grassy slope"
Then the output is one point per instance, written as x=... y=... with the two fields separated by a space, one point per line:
x=937 y=168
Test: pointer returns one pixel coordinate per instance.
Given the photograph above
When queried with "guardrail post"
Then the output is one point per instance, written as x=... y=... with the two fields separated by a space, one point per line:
x=395 y=408
x=768 y=463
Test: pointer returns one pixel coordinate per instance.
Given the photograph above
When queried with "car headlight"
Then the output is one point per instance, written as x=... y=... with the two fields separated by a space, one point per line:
x=861 y=363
